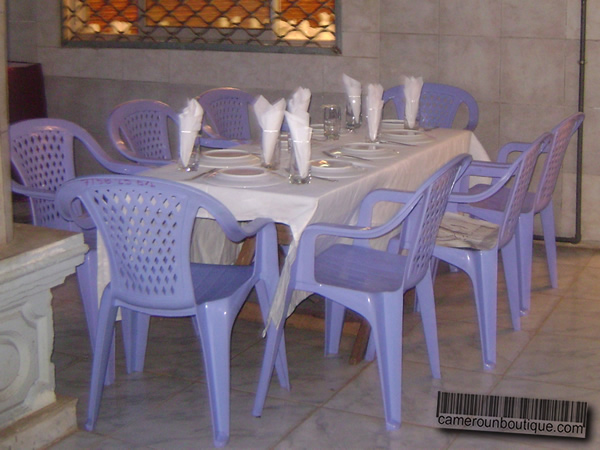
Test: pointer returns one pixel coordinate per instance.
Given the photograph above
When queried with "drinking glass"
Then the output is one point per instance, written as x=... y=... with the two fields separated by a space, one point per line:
x=270 y=138
x=298 y=176
x=332 y=121
x=353 y=112
x=194 y=160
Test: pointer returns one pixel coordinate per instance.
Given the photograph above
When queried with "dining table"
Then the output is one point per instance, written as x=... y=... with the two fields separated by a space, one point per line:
x=343 y=172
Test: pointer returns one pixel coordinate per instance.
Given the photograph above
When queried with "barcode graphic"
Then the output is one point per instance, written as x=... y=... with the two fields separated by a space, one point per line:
x=512 y=414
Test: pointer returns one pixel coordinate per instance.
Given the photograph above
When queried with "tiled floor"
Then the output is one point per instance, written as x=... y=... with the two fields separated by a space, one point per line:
x=333 y=404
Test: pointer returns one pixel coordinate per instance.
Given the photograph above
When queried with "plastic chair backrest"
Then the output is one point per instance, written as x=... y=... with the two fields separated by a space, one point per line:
x=146 y=225
x=421 y=228
x=561 y=136
x=523 y=171
x=438 y=105
x=139 y=129
x=41 y=153
x=227 y=112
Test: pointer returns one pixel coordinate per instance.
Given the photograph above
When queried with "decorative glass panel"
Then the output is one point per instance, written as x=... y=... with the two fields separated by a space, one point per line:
x=260 y=25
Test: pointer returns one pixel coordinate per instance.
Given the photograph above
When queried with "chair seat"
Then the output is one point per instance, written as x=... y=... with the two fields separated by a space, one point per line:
x=461 y=231
x=359 y=268
x=213 y=282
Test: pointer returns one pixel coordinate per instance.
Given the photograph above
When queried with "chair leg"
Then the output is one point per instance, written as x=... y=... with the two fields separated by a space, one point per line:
x=215 y=337
x=135 y=338
x=524 y=242
x=424 y=290
x=274 y=339
x=102 y=345
x=281 y=365
x=547 y=216
x=485 y=285
x=387 y=332
x=513 y=272
x=334 y=322
x=88 y=291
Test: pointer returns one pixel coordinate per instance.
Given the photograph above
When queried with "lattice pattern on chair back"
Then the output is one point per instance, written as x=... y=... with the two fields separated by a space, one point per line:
x=562 y=134
x=144 y=127
x=424 y=221
x=146 y=226
x=438 y=105
x=42 y=156
x=146 y=131
x=525 y=165
x=227 y=110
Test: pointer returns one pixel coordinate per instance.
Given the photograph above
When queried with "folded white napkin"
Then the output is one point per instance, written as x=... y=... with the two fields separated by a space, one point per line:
x=412 y=93
x=374 y=108
x=301 y=133
x=353 y=90
x=270 y=118
x=299 y=101
x=190 y=122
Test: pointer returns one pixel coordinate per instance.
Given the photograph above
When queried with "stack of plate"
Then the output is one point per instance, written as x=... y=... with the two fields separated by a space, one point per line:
x=228 y=158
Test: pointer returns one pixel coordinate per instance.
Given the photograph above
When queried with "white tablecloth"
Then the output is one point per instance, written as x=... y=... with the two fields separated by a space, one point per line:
x=323 y=201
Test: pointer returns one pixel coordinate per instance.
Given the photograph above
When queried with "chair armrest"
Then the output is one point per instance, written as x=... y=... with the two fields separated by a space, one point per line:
x=377 y=196
x=509 y=148
x=32 y=192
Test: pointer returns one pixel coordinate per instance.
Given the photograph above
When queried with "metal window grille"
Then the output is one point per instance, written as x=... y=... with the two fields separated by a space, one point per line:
x=272 y=25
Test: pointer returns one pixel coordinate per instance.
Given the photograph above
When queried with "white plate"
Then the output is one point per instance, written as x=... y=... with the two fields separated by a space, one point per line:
x=335 y=169
x=243 y=177
x=243 y=172
x=225 y=153
x=228 y=158
x=367 y=150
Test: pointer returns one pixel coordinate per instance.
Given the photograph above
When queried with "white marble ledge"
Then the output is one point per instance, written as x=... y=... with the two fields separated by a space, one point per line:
x=35 y=248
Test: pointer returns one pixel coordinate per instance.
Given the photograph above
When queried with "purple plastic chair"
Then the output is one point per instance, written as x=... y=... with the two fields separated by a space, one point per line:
x=481 y=262
x=226 y=117
x=139 y=130
x=42 y=157
x=537 y=202
x=438 y=105
x=372 y=282
x=146 y=225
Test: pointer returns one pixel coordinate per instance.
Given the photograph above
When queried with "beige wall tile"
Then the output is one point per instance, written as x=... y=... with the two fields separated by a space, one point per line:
x=470 y=17
x=472 y=64
x=533 y=71
x=145 y=65
x=526 y=122
x=590 y=226
x=591 y=137
x=360 y=15
x=592 y=74
x=401 y=55
x=593 y=19
x=564 y=206
x=357 y=44
x=408 y=16
x=534 y=18
x=574 y=18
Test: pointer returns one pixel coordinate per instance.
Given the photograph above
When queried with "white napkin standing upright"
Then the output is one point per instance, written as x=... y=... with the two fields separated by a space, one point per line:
x=301 y=133
x=270 y=118
x=300 y=100
x=412 y=93
x=190 y=122
x=374 y=108
x=353 y=89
